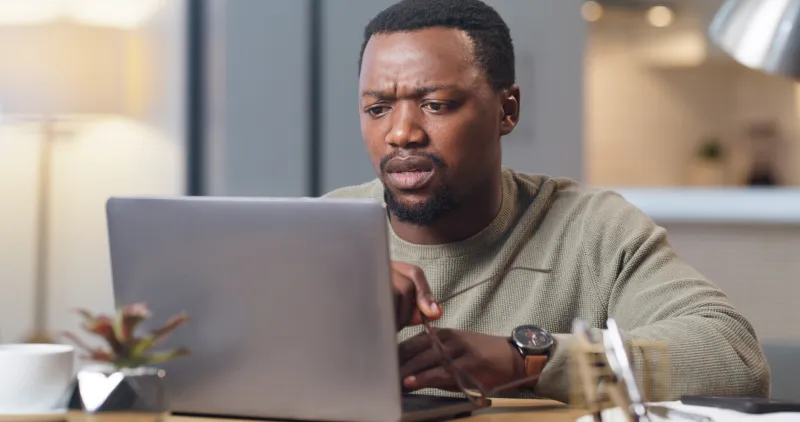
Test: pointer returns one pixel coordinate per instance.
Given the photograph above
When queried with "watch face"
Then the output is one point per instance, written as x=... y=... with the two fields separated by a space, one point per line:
x=532 y=338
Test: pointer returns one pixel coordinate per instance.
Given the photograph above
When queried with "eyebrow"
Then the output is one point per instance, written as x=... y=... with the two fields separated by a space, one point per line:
x=418 y=92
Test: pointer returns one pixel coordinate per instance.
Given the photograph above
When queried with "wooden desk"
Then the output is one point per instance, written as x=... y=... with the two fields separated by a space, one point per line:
x=502 y=410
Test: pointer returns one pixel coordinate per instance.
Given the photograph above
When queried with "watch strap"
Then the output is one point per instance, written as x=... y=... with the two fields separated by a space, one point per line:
x=534 y=364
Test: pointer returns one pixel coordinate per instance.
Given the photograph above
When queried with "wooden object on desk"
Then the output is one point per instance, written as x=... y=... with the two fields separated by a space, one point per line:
x=502 y=410
x=593 y=385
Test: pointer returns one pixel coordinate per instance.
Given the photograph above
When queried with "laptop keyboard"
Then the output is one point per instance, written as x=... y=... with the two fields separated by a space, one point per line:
x=417 y=402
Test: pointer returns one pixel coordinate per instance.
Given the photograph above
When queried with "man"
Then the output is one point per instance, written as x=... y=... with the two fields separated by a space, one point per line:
x=437 y=94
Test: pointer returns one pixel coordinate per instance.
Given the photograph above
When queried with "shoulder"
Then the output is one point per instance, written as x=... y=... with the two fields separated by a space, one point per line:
x=610 y=235
x=608 y=227
x=596 y=210
x=598 y=205
x=372 y=190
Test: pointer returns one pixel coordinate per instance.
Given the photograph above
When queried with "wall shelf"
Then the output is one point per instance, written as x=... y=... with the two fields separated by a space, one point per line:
x=717 y=205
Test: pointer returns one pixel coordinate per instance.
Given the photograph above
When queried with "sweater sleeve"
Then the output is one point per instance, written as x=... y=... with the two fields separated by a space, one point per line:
x=654 y=295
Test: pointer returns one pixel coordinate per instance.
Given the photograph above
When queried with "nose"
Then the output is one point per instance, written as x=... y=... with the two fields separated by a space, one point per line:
x=406 y=130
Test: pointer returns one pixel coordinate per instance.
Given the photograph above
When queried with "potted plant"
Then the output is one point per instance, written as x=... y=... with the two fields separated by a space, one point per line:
x=708 y=167
x=126 y=378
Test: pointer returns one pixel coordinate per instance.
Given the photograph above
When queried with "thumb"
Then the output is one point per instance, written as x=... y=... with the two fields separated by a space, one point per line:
x=428 y=305
x=422 y=292
x=425 y=302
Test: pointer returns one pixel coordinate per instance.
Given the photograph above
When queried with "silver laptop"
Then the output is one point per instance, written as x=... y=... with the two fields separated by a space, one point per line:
x=290 y=305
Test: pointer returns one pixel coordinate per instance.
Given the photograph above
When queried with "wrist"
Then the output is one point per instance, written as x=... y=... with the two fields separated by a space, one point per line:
x=517 y=362
x=533 y=346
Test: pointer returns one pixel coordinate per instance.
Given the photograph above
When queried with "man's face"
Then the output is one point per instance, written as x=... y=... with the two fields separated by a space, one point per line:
x=430 y=121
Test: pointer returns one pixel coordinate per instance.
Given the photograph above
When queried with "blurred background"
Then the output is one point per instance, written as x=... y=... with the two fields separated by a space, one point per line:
x=259 y=98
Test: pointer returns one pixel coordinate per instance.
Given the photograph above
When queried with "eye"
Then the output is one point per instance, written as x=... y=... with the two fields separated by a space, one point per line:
x=377 y=111
x=437 y=107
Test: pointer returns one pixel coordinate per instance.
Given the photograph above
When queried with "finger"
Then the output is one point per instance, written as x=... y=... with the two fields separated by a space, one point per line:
x=416 y=318
x=422 y=341
x=413 y=346
x=436 y=377
x=427 y=359
x=424 y=297
x=405 y=304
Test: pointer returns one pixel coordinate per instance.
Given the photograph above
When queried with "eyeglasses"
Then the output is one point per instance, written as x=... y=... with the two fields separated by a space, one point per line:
x=467 y=384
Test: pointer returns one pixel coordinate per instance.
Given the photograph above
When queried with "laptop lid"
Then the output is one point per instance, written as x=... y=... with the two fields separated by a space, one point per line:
x=289 y=300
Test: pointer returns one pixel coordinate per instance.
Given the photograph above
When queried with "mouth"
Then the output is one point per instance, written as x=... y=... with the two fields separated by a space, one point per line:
x=409 y=173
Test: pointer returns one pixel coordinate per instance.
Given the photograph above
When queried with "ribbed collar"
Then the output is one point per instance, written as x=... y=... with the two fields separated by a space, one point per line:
x=497 y=229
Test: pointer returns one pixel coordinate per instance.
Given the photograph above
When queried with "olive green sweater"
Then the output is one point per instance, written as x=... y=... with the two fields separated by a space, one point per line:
x=607 y=259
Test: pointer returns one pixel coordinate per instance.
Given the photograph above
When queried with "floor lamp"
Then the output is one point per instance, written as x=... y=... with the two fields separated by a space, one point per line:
x=42 y=84
x=42 y=263
x=761 y=34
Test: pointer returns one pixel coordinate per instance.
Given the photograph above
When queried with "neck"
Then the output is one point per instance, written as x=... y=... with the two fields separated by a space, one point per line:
x=474 y=214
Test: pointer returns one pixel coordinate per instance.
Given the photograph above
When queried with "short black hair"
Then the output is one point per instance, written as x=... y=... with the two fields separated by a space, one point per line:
x=493 y=47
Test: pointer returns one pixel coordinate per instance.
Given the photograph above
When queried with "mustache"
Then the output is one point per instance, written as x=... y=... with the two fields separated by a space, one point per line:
x=437 y=161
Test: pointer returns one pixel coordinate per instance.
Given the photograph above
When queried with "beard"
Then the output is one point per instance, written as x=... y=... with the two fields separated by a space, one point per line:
x=441 y=203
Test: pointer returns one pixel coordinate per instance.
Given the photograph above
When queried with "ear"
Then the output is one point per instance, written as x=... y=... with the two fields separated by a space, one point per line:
x=510 y=106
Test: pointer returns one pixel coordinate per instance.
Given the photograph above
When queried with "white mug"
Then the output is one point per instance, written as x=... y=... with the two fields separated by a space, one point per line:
x=35 y=378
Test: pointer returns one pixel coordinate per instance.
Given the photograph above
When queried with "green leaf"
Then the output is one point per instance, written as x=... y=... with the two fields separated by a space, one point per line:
x=142 y=346
x=162 y=357
x=126 y=349
x=130 y=363
x=173 y=323
x=119 y=332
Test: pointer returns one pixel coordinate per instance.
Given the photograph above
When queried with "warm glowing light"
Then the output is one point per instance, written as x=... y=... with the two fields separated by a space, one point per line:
x=136 y=77
x=28 y=12
x=674 y=49
x=592 y=11
x=660 y=16
x=117 y=13
x=123 y=14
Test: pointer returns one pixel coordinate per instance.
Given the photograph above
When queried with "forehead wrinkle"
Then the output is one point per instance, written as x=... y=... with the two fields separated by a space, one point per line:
x=402 y=67
x=407 y=77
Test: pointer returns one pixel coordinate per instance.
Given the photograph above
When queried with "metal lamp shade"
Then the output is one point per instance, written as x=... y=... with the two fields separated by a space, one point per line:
x=760 y=34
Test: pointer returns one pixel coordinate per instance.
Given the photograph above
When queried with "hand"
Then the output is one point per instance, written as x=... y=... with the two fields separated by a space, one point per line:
x=412 y=295
x=490 y=360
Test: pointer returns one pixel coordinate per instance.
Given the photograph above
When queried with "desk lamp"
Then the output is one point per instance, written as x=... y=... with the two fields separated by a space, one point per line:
x=761 y=34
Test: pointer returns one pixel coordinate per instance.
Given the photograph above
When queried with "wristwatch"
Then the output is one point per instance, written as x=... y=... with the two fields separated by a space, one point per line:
x=534 y=344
